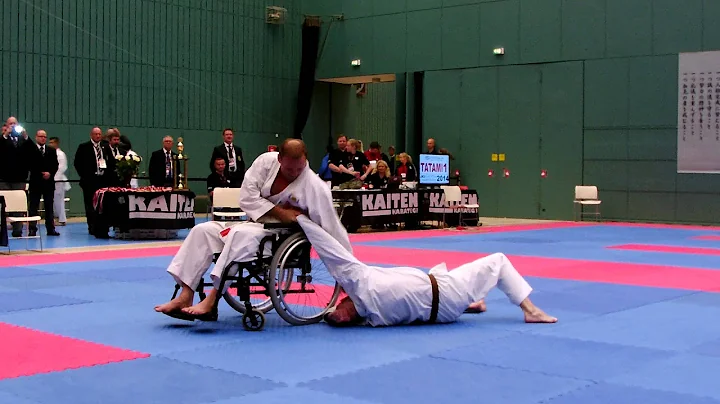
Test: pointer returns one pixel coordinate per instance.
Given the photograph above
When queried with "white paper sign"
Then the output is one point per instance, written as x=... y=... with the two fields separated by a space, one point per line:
x=699 y=113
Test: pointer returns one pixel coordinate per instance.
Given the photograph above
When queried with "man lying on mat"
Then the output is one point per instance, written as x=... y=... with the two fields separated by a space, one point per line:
x=277 y=186
x=403 y=295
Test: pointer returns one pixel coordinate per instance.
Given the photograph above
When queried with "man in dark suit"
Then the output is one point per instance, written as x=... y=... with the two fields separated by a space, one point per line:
x=15 y=151
x=95 y=165
x=43 y=166
x=162 y=164
x=234 y=162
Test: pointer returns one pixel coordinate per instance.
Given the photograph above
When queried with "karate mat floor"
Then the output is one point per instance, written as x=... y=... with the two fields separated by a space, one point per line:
x=638 y=308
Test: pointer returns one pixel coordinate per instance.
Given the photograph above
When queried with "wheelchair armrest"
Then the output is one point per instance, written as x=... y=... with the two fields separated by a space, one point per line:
x=291 y=226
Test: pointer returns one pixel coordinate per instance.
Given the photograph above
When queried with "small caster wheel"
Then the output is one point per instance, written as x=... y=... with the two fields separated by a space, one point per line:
x=253 y=320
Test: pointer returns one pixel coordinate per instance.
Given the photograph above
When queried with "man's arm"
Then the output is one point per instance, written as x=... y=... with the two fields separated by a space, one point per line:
x=251 y=201
x=322 y=211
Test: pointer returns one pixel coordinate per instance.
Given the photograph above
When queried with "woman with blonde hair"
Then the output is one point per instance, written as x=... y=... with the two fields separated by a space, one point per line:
x=380 y=176
x=406 y=170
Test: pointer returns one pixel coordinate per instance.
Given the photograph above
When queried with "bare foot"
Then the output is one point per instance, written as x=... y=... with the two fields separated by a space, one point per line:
x=534 y=315
x=180 y=302
x=204 y=307
x=477 y=307
x=539 y=316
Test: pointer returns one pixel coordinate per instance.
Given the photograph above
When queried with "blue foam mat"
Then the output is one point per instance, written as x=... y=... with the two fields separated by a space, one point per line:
x=19 y=272
x=50 y=281
x=107 y=291
x=557 y=356
x=28 y=300
x=666 y=325
x=295 y=395
x=444 y=381
x=684 y=374
x=156 y=380
x=604 y=298
x=608 y=393
x=313 y=359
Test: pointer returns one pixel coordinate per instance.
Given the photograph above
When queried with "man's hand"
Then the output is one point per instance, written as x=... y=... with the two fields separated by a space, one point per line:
x=287 y=214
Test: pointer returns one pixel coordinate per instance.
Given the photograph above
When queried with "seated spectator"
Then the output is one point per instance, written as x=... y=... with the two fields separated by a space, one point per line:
x=405 y=169
x=374 y=153
x=380 y=176
x=217 y=179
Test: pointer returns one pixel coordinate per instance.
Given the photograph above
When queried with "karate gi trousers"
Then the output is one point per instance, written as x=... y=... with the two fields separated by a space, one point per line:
x=403 y=295
x=240 y=244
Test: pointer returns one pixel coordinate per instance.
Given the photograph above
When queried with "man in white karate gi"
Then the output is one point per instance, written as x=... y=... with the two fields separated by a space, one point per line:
x=402 y=295
x=277 y=187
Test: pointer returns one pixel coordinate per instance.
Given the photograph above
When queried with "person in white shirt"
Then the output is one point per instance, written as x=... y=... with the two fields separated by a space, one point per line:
x=61 y=183
x=380 y=296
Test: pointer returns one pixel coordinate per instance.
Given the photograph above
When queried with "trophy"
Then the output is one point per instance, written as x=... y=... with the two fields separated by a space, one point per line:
x=180 y=176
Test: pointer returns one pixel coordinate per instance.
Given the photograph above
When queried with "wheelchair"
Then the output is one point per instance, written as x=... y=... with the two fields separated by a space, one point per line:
x=279 y=278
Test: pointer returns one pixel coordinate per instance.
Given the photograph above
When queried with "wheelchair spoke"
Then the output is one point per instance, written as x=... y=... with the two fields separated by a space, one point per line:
x=312 y=290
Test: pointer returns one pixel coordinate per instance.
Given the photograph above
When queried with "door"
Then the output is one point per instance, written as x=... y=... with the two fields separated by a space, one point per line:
x=519 y=141
x=561 y=134
x=479 y=136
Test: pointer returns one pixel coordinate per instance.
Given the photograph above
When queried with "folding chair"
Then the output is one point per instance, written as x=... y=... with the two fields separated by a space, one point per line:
x=453 y=193
x=586 y=195
x=16 y=202
x=226 y=205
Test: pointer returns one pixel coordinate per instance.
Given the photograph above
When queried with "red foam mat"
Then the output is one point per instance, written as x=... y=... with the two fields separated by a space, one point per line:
x=144 y=252
x=40 y=259
x=667 y=249
x=557 y=268
x=26 y=352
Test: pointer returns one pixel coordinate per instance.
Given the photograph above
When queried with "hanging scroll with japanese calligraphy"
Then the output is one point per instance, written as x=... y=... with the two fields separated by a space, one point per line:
x=699 y=113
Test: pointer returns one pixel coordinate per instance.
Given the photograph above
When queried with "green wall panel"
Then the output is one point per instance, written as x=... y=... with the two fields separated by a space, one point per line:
x=519 y=103
x=652 y=144
x=629 y=27
x=389 y=43
x=651 y=104
x=499 y=28
x=424 y=39
x=605 y=145
x=606 y=93
x=540 y=30
x=460 y=36
x=606 y=175
x=675 y=28
x=561 y=135
x=657 y=206
x=381 y=7
x=651 y=176
x=479 y=135
x=422 y=4
x=711 y=29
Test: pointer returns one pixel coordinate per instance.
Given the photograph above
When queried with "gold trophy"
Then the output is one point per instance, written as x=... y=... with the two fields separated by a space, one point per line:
x=180 y=175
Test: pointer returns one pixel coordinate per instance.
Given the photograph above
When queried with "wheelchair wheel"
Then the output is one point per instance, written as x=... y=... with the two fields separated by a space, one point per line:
x=253 y=321
x=238 y=305
x=313 y=290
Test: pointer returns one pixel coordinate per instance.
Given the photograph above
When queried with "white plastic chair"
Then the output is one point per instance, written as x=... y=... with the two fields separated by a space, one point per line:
x=453 y=193
x=226 y=204
x=16 y=202
x=586 y=195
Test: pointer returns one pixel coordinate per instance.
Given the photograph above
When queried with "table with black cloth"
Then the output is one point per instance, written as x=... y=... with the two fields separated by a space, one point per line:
x=3 y=222
x=148 y=212
x=360 y=207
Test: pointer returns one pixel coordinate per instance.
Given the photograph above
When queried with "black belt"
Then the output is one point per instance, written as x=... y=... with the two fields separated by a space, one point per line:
x=435 y=299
